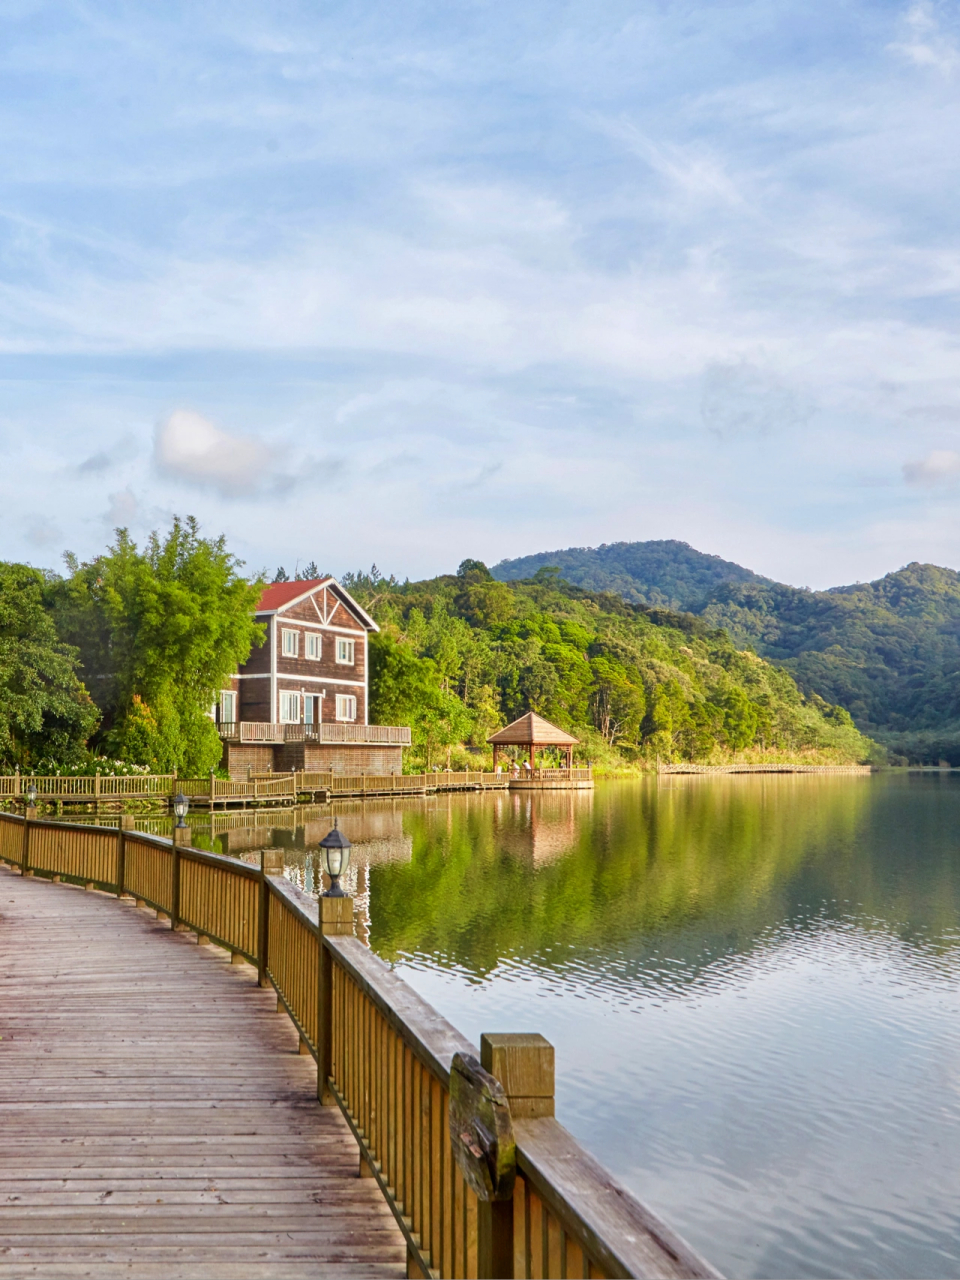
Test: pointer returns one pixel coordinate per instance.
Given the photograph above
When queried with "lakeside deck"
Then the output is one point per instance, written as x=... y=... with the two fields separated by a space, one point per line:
x=159 y=1120
x=110 y=794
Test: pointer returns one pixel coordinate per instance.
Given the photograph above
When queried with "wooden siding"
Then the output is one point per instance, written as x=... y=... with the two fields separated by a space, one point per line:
x=337 y=757
x=259 y=660
x=326 y=666
x=302 y=674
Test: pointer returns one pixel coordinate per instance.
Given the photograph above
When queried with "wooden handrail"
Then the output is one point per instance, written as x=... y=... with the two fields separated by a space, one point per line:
x=385 y=1057
x=621 y=1235
x=432 y=1038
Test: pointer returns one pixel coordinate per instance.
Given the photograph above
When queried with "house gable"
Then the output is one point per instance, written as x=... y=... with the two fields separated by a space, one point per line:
x=322 y=601
x=318 y=671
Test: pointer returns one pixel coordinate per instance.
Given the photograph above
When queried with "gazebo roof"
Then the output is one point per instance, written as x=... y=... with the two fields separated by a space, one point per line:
x=532 y=730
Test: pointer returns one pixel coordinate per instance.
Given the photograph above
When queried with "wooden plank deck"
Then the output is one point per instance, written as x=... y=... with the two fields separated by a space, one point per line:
x=156 y=1119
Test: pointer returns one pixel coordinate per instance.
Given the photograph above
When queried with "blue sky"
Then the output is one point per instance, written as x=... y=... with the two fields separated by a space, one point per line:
x=412 y=282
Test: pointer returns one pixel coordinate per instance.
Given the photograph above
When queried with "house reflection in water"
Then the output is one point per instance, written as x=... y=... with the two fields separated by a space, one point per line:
x=541 y=826
x=291 y=839
x=535 y=827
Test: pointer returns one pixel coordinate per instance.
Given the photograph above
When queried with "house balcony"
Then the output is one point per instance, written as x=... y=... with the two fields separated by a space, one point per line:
x=258 y=731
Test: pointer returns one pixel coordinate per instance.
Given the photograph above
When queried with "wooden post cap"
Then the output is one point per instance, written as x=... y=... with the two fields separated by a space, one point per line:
x=273 y=862
x=336 y=915
x=523 y=1062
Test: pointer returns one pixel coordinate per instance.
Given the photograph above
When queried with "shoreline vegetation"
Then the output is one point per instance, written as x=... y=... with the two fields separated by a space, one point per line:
x=115 y=665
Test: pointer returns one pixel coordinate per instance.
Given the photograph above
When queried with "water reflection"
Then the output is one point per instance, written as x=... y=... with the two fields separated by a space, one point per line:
x=753 y=985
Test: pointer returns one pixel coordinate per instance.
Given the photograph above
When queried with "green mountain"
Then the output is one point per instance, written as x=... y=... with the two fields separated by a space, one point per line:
x=887 y=651
x=459 y=656
x=666 y=575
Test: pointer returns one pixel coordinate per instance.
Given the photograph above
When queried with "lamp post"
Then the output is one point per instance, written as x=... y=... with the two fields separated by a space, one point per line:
x=181 y=832
x=31 y=793
x=335 y=852
x=181 y=806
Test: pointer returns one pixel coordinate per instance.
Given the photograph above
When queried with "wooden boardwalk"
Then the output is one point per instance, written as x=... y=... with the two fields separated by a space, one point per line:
x=156 y=1119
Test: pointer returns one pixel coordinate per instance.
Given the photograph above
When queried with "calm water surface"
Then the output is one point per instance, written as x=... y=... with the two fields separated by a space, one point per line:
x=751 y=983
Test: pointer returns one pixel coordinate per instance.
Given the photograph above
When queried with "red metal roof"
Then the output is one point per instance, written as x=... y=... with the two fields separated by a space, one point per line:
x=282 y=593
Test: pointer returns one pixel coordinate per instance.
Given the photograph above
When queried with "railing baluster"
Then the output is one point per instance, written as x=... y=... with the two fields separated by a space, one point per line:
x=386 y=1057
x=335 y=917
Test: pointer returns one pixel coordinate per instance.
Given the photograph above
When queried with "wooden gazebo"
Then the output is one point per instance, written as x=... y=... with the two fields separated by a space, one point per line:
x=532 y=731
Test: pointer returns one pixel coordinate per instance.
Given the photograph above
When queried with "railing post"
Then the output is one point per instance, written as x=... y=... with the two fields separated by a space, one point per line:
x=263 y=930
x=121 y=859
x=336 y=917
x=25 y=851
x=175 y=891
x=524 y=1065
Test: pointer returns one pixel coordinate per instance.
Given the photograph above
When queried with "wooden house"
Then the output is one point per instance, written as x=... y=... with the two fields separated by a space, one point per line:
x=300 y=701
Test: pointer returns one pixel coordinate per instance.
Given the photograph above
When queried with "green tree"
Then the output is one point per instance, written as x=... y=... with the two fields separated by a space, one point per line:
x=404 y=689
x=619 y=703
x=45 y=712
x=160 y=630
x=740 y=719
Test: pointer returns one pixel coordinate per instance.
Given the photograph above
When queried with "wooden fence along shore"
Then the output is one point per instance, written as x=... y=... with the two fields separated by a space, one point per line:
x=763 y=768
x=481 y=1177
x=104 y=791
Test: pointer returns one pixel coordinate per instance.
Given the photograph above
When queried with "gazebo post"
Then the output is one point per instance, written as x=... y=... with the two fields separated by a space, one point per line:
x=533 y=755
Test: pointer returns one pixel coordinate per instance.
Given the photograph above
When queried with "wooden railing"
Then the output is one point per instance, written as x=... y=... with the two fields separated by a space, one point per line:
x=713 y=769
x=515 y=1195
x=93 y=787
x=560 y=775
x=328 y=731
x=396 y=783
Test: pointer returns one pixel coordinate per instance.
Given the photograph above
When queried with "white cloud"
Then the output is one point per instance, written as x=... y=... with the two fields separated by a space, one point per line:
x=942 y=466
x=189 y=447
x=924 y=44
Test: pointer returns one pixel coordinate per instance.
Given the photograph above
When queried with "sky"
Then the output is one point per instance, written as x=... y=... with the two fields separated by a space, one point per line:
x=412 y=282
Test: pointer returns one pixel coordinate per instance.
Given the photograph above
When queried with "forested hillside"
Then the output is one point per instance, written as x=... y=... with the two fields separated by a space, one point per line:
x=459 y=655
x=888 y=651
x=668 y=574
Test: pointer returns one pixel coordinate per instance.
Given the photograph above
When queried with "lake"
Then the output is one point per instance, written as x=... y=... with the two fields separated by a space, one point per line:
x=751 y=983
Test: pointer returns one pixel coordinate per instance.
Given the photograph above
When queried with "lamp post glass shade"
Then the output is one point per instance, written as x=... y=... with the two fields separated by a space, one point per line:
x=32 y=795
x=180 y=806
x=335 y=852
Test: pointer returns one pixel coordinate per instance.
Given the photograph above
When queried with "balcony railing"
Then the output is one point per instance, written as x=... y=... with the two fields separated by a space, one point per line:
x=260 y=731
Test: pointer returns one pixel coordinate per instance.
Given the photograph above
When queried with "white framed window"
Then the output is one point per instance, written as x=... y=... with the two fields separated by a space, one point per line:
x=346 y=706
x=289 y=643
x=308 y=702
x=345 y=651
x=313 y=645
x=289 y=708
x=228 y=706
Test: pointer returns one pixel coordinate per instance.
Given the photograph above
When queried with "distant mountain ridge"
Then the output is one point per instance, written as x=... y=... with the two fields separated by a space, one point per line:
x=663 y=575
x=888 y=651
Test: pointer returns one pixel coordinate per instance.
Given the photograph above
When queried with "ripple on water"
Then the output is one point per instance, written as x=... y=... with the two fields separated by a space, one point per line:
x=764 y=1042
x=779 y=1085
